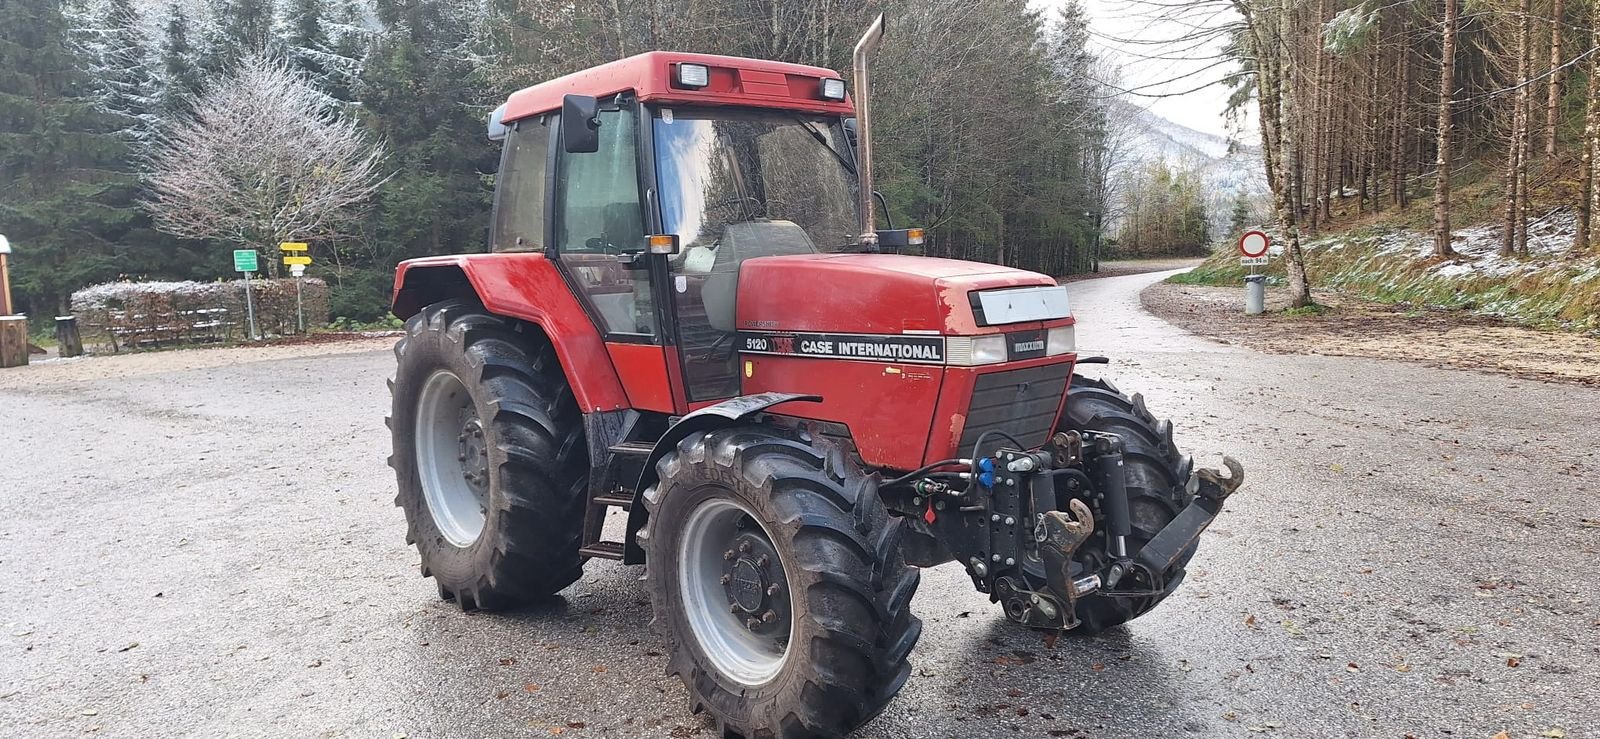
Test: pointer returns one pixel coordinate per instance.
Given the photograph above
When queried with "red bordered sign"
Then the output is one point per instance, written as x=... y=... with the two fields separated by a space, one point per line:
x=1254 y=244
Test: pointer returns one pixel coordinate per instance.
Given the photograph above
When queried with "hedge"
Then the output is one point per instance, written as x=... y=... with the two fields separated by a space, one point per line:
x=118 y=315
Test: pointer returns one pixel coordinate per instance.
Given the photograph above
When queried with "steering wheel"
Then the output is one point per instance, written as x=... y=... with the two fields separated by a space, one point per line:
x=740 y=200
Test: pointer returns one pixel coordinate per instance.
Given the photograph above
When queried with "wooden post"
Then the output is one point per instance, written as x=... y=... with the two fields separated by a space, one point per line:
x=6 y=308
x=13 y=341
x=69 y=343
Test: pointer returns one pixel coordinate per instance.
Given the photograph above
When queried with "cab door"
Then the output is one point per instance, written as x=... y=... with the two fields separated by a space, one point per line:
x=597 y=233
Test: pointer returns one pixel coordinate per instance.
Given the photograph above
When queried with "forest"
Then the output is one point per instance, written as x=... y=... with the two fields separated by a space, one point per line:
x=367 y=117
x=1463 y=113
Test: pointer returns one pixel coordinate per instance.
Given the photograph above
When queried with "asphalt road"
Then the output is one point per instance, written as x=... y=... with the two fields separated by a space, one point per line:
x=212 y=551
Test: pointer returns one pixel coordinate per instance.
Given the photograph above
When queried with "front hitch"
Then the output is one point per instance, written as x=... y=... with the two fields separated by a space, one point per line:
x=1211 y=489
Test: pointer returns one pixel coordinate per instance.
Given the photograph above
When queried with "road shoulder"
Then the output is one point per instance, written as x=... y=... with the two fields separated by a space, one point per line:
x=1353 y=327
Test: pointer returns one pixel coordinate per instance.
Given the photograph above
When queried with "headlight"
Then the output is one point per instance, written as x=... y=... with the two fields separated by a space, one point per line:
x=1061 y=340
x=971 y=351
x=832 y=89
x=694 y=75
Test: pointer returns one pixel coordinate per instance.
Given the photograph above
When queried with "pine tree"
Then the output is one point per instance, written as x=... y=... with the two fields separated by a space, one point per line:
x=67 y=197
x=242 y=28
x=180 y=75
x=416 y=88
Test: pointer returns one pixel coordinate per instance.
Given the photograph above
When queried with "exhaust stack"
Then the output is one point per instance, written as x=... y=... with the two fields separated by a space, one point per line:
x=865 y=48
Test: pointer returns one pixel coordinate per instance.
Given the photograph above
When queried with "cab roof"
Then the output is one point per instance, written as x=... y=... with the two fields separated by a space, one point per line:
x=734 y=81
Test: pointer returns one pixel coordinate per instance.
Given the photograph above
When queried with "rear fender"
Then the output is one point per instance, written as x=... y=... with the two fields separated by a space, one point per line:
x=524 y=286
x=727 y=413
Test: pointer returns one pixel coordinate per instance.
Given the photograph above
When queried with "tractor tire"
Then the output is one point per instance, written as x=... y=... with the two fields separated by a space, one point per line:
x=489 y=455
x=741 y=518
x=1157 y=476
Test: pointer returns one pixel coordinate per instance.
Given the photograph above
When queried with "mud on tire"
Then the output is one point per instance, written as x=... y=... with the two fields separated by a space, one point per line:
x=533 y=456
x=1157 y=476
x=851 y=627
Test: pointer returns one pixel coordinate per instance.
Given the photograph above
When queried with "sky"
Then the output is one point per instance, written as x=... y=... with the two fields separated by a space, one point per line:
x=1114 y=23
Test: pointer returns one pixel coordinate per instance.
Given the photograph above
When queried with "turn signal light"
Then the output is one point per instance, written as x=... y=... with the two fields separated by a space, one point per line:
x=664 y=244
x=914 y=236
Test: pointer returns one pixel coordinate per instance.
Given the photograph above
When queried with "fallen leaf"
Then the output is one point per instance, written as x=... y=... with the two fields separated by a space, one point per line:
x=1098 y=667
x=130 y=646
x=554 y=730
x=599 y=668
x=1513 y=662
x=501 y=695
x=1554 y=733
x=1050 y=638
x=1250 y=620
x=508 y=661
x=531 y=687
x=1402 y=667
x=1501 y=735
x=1013 y=693
x=1353 y=667
x=576 y=724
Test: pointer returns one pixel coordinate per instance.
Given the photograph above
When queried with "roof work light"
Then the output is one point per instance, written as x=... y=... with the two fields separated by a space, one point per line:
x=832 y=88
x=694 y=76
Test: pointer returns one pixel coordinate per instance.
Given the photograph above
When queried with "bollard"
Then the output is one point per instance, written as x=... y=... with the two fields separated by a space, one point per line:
x=69 y=343
x=1255 y=295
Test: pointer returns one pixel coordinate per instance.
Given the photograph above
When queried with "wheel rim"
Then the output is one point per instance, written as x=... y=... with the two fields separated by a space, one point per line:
x=452 y=458
x=734 y=592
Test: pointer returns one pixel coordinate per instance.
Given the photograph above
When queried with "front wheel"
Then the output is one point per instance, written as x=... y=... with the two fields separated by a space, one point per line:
x=1157 y=476
x=776 y=575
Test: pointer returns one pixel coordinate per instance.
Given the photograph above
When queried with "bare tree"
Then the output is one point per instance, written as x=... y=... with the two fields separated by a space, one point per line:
x=1552 y=101
x=1587 y=235
x=265 y=158
x=1447 y=86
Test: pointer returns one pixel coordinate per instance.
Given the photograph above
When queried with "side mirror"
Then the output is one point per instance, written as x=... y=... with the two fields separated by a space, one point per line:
x=850 y=131
x=580 y=124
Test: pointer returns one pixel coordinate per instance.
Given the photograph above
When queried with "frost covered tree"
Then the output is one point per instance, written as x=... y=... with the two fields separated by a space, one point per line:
x=180 y=74
x=110 y=43
x=266 y=158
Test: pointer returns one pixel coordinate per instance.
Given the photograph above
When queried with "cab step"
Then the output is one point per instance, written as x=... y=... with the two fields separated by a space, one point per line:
x=616 y=500
x=633 y=448
x=603 y=550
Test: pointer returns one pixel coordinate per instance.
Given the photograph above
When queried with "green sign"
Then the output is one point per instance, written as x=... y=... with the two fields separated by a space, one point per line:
x=244 y=260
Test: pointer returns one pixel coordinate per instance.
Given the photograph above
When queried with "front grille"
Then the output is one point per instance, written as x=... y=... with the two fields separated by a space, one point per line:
x=1020 y=402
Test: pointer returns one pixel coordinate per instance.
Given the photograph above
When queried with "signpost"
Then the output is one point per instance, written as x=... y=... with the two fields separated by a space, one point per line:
x=244 y=260
x=1253 y=249
x=6 y=308
x=296 y=255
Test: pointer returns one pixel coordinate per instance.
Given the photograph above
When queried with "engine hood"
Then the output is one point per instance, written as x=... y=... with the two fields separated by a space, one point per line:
x=868 y=293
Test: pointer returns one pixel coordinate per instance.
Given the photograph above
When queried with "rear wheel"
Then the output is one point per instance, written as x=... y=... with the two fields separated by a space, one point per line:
x=1157 y=476
x=775 y=574
x=489 y=456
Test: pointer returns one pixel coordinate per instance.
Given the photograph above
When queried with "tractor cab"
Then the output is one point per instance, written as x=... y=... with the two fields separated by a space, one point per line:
x=649 y=181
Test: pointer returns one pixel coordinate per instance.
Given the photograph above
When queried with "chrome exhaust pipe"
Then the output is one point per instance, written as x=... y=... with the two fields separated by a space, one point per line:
x=865 y=48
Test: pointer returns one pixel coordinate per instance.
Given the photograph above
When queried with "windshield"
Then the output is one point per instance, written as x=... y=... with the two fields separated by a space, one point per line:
x=772 y=169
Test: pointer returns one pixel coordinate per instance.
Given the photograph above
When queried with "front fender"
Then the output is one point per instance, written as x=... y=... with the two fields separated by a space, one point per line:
x=727 y=413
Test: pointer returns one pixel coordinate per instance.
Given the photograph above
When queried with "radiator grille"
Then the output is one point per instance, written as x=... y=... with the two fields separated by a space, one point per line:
x=1021 y=402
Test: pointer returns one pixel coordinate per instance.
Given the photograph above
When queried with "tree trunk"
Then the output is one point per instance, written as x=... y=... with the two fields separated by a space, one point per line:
x=1588 y=235
x=1514 y=235
x=1447 y=83
x=1276 y=106
x=1552 y=100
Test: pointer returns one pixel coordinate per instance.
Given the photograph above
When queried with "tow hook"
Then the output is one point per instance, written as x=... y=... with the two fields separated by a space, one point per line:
x=1210 y=484
x=1059 y=534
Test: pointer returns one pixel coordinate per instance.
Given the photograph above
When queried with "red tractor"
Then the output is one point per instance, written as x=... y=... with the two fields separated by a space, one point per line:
x=689 y=314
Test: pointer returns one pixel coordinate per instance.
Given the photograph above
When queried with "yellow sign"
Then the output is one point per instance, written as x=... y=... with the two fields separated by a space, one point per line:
x=296 y=260
x=294 y=246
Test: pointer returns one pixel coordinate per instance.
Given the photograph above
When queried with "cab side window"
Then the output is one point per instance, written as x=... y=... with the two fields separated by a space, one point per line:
x=599 y=192
x=600 y=227
x=519 y=192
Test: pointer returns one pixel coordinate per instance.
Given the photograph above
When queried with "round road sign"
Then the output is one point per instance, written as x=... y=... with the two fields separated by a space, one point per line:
x=1254 y=244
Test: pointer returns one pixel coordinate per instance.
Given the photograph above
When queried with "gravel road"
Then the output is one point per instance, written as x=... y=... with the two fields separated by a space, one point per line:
x=209 y=548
